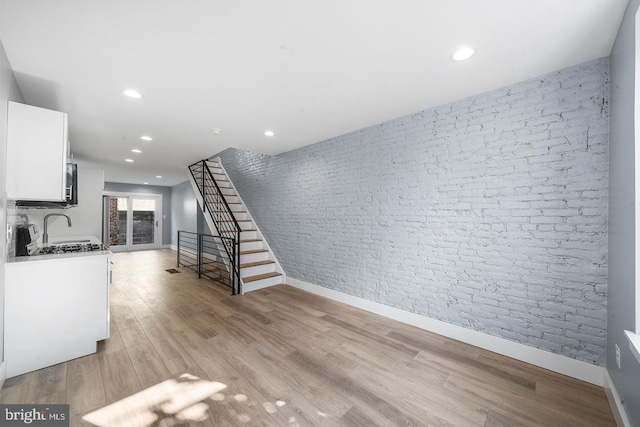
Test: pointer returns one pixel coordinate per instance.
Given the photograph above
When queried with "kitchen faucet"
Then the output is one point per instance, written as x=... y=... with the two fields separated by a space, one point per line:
x=45 y=236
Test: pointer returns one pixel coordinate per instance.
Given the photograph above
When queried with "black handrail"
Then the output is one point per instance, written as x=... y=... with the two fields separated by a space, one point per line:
x=223 y=218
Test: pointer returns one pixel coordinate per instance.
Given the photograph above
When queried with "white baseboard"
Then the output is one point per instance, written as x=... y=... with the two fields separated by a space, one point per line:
x=554 y=362
x=614 y=401
x=3 y=373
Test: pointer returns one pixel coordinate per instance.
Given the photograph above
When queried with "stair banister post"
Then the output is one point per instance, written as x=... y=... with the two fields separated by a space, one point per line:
x=233 y=269
x=199 y=255
x=203 y=191
x=238 y=264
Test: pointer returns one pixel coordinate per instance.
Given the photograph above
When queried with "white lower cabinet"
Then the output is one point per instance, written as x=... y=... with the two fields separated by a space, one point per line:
x=55 y=310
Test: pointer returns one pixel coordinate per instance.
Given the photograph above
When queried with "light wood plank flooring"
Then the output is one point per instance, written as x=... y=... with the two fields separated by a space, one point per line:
x=184 y=352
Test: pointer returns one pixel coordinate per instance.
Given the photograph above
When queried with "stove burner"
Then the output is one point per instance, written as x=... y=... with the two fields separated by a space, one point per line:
x=77 y=247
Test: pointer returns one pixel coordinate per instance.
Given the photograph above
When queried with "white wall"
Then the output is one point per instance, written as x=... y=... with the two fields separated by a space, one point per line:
x=184 y=210
x=9 y=91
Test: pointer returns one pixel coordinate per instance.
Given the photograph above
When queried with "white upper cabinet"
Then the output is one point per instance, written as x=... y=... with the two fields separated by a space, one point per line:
x=37 y=146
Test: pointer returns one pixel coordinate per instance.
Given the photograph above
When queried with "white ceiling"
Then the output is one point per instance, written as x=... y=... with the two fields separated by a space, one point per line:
x=307 y=70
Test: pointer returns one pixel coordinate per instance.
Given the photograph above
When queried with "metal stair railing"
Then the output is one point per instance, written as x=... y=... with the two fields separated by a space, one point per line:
x=227 y=227
x=202 y=254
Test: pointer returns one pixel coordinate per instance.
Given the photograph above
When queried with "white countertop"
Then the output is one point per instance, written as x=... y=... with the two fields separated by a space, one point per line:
x=63 y=240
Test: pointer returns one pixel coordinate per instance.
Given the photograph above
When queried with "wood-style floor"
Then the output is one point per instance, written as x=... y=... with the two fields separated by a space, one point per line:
x=184 y=352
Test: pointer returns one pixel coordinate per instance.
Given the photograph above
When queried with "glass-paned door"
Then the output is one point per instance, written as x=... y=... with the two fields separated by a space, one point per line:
x=133 y=222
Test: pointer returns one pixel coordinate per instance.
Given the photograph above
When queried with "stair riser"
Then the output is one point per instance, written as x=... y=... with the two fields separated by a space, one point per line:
x=239 y=216
x=217 y=176
x=246 y=225
x=258 y=269
x=258 y=284
x=227 y=191
x=250 y=246
x=231 y=199
x=261 y=256
x=248 y=235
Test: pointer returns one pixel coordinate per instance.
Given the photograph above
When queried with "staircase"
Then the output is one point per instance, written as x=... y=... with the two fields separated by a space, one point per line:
x=225 y=213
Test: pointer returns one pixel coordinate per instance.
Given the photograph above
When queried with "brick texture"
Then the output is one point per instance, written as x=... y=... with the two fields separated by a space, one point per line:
x=489 y=212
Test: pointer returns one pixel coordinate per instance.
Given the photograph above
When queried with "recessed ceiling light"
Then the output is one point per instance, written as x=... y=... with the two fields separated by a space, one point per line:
x=158 y=176
x=216 y=131
x=463 y=53
x=268 y=133
x=146 y=138
x=128 y=160
x=135 y=150
x=132 y=93
x=145 y=183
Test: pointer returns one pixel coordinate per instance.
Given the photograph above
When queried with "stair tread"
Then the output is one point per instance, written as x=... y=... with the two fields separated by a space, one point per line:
x=248 y=229
x=261 y=276
x=250 y=240
x=254 y=251
x=256 y=263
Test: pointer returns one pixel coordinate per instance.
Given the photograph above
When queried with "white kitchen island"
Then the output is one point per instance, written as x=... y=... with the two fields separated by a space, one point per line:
x=56 y=308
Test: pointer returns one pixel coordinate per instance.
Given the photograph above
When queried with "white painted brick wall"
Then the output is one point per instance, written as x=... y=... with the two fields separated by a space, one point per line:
x=488 y=213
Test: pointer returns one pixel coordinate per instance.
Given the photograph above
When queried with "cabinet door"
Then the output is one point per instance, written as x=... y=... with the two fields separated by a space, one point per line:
x=36 y=153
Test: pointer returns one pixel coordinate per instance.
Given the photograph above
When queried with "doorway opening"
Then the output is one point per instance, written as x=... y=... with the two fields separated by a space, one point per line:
x=132 y=222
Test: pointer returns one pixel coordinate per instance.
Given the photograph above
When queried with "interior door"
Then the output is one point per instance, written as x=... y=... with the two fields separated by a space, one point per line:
x=133 y=222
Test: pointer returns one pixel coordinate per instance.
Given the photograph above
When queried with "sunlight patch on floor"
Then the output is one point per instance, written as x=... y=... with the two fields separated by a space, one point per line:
x=168 y=403
x=174 y=402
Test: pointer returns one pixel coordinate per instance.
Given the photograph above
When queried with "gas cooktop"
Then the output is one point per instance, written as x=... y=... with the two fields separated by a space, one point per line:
x=76 y=247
